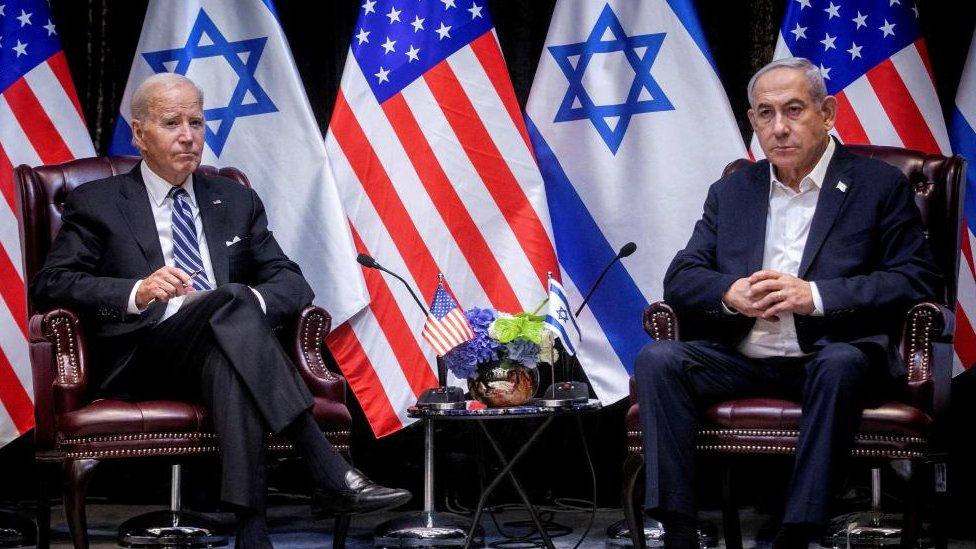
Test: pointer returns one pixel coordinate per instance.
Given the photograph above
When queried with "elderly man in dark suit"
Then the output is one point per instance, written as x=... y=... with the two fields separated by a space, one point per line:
x=182 y=283
x=792 y=284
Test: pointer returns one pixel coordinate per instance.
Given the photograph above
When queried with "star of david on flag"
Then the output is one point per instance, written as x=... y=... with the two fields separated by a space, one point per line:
x=248 y=97
x=559 y=318
x=642 y=96
x=258 y=120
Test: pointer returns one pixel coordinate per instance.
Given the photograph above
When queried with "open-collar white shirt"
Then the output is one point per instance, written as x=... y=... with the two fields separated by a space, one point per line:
x=788 y=222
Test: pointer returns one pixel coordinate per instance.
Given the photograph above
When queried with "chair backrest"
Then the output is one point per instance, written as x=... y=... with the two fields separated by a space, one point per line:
x=41 y=193
x=937 y=181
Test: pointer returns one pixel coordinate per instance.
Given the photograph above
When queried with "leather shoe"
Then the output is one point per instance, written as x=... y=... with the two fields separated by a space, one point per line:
x=360 y=495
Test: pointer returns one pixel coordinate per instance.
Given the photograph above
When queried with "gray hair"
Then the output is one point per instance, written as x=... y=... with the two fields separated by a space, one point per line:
x=818 y=88
x=139 y=106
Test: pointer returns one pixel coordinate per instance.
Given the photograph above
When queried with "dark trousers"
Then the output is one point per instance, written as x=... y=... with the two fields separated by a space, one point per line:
x=219 y=350
x=676 y=381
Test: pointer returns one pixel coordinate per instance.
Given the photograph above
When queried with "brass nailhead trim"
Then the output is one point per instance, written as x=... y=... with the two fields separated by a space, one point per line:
x=65 y=351
x=158 y=436
x=311 y=345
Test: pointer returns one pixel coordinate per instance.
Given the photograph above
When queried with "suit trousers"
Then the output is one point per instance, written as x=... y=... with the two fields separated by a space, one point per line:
x=220 y=350
x=676 y=381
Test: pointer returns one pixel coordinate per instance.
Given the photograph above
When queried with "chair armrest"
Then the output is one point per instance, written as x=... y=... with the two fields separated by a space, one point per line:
x=59 y=367
x=926 y=346
x=660 y=322
x=312 y=357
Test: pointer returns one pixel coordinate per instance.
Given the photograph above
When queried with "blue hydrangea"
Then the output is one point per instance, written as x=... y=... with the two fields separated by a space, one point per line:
x=464 y=359
x=523 y=351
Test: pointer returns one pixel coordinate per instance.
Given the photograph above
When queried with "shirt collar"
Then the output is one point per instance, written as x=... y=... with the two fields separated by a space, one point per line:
x=816 y=175
x=159 y=188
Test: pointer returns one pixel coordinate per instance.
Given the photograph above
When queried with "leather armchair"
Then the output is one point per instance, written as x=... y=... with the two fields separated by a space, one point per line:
x=895 y=430
x=76 y=430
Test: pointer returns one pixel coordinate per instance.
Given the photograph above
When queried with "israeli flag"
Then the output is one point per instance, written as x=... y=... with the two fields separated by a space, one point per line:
x=630 y=125
x=560 y=317
x=258 y=120
x=962 y=135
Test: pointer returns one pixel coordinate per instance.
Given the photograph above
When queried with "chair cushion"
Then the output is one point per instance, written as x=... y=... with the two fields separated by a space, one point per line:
x=783 y=415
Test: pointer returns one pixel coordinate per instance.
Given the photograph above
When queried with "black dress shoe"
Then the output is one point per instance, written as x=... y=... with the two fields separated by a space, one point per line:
x=360 y=495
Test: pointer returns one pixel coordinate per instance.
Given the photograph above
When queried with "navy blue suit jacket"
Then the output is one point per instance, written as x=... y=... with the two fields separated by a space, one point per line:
x=866 y=251
x=108 y=241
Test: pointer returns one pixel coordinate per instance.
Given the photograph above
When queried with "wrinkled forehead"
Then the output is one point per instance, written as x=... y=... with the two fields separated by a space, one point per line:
x=781 y=86
x=176 y=100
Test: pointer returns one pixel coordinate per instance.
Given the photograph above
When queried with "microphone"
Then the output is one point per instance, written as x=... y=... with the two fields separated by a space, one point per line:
x=443 y=397
x=370 y=263
x=625 y=250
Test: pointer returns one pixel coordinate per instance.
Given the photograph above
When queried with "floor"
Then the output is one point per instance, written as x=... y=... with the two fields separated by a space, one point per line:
x=293 y=527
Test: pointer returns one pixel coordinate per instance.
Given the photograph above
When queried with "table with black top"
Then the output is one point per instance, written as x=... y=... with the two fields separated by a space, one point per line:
x=480 y=416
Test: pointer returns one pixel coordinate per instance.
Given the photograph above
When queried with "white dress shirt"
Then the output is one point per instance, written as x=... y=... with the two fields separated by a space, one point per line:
x=787 y=228
x=162 y=208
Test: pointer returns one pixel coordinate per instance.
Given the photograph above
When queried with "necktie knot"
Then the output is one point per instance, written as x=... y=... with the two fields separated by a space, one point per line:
x=178 y=192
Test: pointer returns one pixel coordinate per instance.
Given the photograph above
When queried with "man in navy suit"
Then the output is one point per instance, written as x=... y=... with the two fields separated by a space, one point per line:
x=182 y=283
x=793 y=284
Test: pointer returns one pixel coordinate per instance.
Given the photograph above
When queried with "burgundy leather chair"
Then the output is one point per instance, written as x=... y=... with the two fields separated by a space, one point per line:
x=895 y=430
x=76 y=430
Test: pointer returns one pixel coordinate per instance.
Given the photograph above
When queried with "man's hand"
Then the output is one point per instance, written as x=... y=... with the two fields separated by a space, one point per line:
x=163 y=285
x=740 y=298
x=773 y=292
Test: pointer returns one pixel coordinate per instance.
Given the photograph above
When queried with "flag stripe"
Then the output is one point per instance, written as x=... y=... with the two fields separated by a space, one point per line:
x=848 y=125
x=363 y=380
x=376 y=183
x=490 y=56
x=60 y=110
x=871 y=113
x=7 y=181
x=496 y=174
x=37 y=126
x=921 y=88
x=13 y=138
x=923 y=54
x=904 y=114
x=13 y=290
x=469 y=238
x=395 y=327
x=59 y=65
x=15 y=399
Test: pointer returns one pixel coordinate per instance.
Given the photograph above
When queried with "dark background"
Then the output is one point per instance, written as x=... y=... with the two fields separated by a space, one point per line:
x=99 y=38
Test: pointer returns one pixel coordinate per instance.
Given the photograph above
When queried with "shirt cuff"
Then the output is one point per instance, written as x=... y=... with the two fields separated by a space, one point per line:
x=131 y=308
x=818 y=309
x=728 y=310
x=257 y=294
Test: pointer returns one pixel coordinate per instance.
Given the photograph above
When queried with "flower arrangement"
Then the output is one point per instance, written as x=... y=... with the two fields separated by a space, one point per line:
x=500 y=340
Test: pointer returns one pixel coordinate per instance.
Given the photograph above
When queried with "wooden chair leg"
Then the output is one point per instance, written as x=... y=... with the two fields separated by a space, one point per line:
x=730 y=511
x=75 y=475
x=340 y=531
x=633 y=509
x=43 y=508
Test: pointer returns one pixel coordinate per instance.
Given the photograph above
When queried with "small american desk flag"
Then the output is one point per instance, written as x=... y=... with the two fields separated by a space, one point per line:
x=445 y=327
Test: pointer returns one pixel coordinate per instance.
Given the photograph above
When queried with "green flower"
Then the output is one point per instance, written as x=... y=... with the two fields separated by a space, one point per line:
x=521 y=326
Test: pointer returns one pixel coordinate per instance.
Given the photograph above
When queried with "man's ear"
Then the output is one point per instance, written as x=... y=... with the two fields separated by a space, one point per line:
x=829 y=110
x=137 y=133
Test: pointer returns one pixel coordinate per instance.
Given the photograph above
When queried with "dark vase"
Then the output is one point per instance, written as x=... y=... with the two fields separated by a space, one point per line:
x=504 y=384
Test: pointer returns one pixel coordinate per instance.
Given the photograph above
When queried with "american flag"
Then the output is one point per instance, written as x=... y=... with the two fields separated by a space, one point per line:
x=436 y=173
x=963 y=135
x=875 y=62
x=40 y=123
x=446 y=327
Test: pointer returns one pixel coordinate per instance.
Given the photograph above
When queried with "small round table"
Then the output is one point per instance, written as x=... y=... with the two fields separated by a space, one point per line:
x=480 y=416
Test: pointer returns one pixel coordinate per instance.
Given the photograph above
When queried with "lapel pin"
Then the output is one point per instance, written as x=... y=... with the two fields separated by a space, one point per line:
x=215 y=202
x=841 y=186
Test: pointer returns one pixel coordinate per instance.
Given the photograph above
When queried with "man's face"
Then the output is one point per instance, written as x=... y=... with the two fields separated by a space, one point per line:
x=791 y=127
x=171 y=137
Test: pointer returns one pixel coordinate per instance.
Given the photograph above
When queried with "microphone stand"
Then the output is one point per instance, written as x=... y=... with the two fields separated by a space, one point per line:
x=427 y=527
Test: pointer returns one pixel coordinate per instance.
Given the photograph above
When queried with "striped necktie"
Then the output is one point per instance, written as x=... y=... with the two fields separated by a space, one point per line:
x=186 y=250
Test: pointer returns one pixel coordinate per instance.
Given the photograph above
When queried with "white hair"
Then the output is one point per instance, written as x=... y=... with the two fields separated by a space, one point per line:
x=818 y=88
x=139 y=107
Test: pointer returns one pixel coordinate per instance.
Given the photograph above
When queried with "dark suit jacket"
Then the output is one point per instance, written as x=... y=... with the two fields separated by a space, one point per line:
x=866 y=252
x=108 y=241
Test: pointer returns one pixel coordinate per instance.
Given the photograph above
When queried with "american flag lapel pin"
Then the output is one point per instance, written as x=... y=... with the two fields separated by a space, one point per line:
x=217 y=202
x=841 y=186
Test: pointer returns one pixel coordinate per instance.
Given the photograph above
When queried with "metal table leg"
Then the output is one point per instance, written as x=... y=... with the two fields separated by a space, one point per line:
x=427 y=528
x=507 y=466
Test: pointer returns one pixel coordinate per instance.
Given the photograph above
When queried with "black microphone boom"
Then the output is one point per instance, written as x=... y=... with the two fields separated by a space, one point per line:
x=370 y=263
x=625 y=250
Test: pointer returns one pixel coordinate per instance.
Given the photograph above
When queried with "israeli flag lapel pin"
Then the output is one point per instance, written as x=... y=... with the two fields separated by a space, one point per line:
x=841 y=186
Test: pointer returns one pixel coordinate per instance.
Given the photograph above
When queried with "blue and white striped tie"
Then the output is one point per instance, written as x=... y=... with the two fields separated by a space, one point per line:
x=186 y=250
